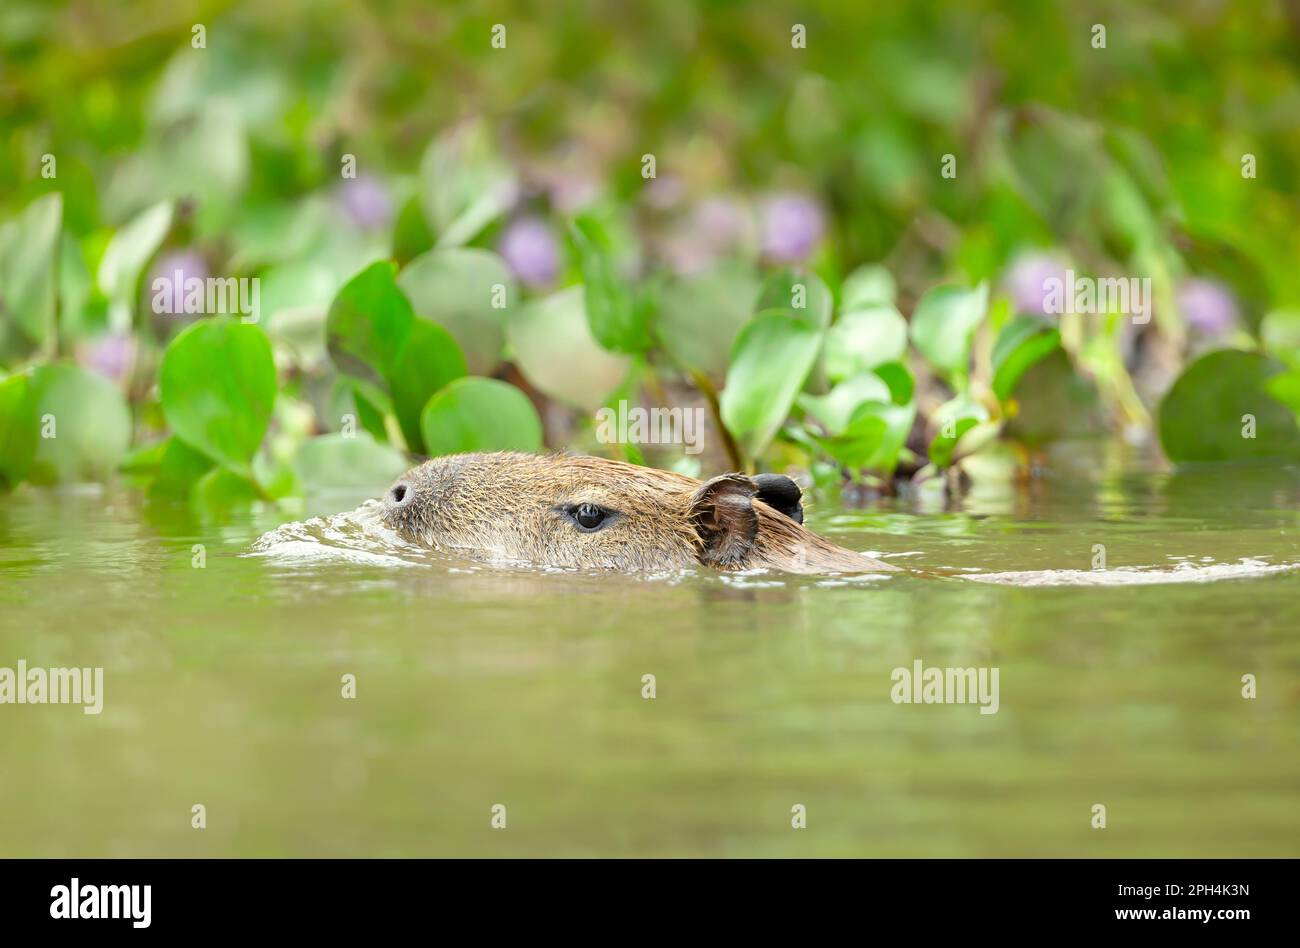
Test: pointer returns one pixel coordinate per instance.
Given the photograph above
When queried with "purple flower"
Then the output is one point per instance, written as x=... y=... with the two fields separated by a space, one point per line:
x=1208 y=306
x=1027 y=282
x=112 y=355
x=173 y=269
x=367 y=202
x=791 y=226
x=530 y=251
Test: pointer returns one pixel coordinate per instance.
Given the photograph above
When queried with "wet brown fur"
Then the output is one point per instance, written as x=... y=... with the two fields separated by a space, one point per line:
x=507 y=506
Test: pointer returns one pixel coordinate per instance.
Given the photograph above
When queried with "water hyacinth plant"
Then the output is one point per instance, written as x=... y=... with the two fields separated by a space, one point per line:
x=884 y=326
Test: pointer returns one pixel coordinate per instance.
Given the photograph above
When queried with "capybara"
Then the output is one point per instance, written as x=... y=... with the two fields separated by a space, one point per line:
x=571 y=511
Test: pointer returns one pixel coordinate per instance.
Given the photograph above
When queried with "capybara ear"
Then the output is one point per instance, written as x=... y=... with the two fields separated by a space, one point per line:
x=722 y=512
x=781 y=494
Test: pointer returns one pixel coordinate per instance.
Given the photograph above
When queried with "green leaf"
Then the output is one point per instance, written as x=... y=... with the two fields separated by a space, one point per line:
x=898 y=425
x=700 y=315
x=347 y=462
x=1203 y=417
x=19 y=430
x=464 y=184
x=475 y=414
x=368 y=322
x=371 y=404
x=140 y=465
x=835 y=409
x=411 y=234
x=941 y=448
x=553 y=347
x=202 y=159
x=614 y=313
x=954 y=419
x=467 y=292
x=873 y=438
x=274 y=479
x=1053 y=402
x=222 y=489
x=179 y=470
x=869 y=285
x=1285 y=387
x=899 y=379
x=798 y=294
x=295 y=297
x=75 y=290
x=85 y=425
x=863 y=339
x=1279 y=333
x=944 y=324
x=1023 y=341
x=29 y=257
x=852 y=449
x=429 y=360
x=770 y=361
x=218 y=387
x=125 y=257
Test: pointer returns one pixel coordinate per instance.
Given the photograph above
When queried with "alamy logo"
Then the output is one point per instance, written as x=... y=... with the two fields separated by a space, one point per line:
x=103 y=901
x=177 y=294
x=23 y=685
x=639 y=425
x=1126 y=296
x=934 y=685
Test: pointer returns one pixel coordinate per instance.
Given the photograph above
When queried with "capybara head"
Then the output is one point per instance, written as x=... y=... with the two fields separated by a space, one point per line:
x=591 y=513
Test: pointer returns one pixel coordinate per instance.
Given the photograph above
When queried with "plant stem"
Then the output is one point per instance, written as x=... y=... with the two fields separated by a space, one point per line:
x=705 y=386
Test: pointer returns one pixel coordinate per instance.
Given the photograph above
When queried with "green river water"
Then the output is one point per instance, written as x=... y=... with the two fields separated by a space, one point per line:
x=478 y=686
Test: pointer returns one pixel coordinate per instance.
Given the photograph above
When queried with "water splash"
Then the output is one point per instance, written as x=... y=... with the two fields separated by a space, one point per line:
x=354 y=536
x=1140 y=576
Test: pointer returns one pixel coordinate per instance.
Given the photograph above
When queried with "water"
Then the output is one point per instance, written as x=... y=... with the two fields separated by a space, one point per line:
x=480 y=685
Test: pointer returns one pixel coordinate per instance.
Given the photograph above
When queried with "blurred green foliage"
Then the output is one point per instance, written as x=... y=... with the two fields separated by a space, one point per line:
x=472 y=226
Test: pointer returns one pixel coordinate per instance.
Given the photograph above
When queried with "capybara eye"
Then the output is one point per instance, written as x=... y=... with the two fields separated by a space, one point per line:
x=589 y=516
